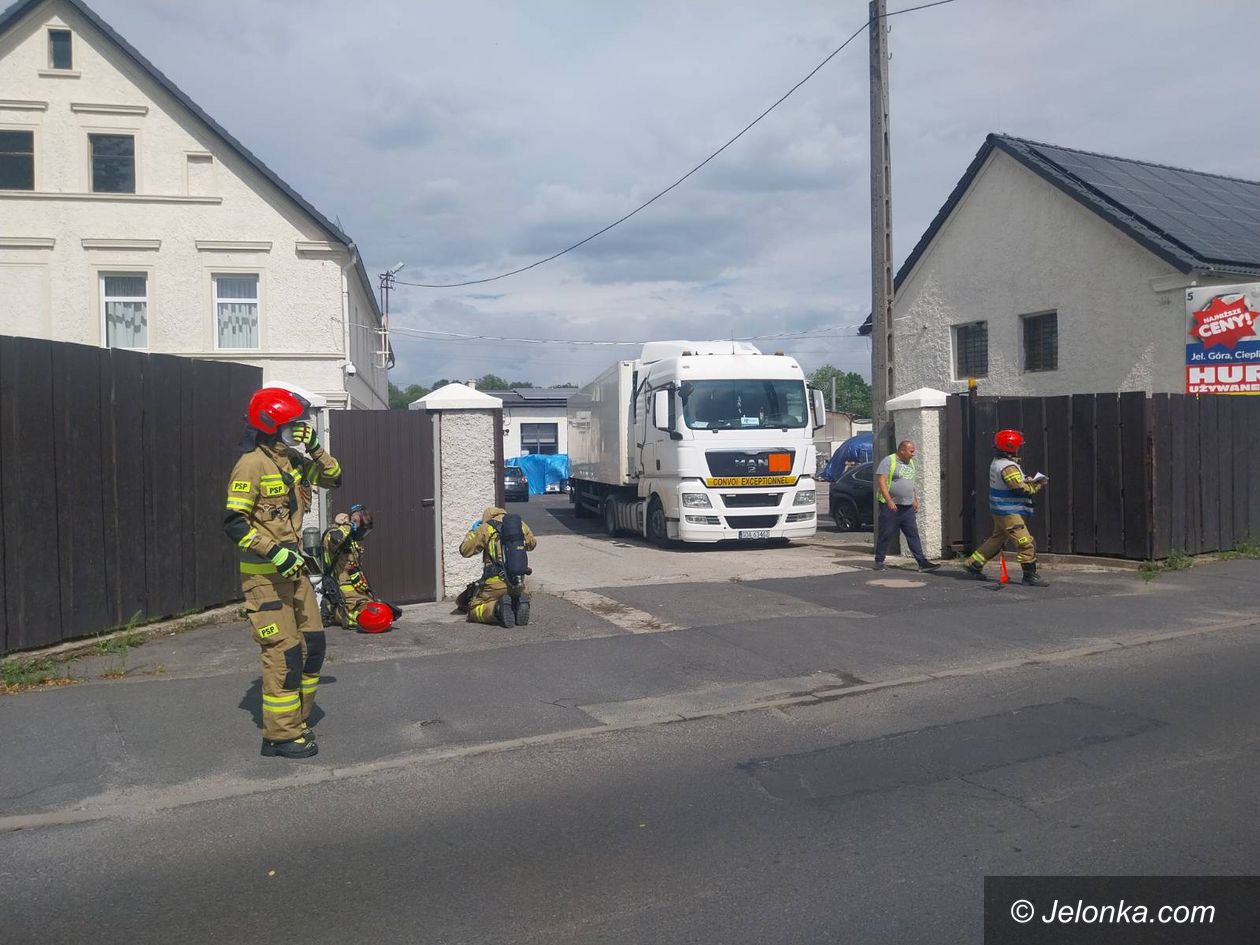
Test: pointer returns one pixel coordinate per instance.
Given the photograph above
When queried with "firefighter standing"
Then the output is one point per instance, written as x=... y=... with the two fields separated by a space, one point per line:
x=348 y=596
x=1010 y=497
x=269 y=491
x=494 y=598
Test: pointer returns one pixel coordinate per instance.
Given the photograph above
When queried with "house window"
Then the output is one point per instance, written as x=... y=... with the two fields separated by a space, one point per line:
x=125 y=298
x=539 y=439
x=59 y=56
x=1041 y=342
x=17 y=160
x=971 y=350
x=236 y=310
x=113 y=164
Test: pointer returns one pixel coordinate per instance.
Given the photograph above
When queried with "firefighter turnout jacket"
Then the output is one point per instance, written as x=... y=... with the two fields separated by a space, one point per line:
x=268 y=493
x=1009 y=492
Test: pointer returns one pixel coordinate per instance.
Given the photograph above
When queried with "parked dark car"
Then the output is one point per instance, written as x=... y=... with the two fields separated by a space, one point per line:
x=852 y=498
x=515 y=484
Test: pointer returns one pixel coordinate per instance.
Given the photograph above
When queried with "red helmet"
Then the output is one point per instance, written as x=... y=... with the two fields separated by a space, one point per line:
x=1008 y=441
x=375 y=617
x=272 y=407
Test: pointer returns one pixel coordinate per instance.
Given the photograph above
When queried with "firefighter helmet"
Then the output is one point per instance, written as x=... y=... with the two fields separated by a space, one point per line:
x=272 y=407
x=1008 y=441
x=375 y=617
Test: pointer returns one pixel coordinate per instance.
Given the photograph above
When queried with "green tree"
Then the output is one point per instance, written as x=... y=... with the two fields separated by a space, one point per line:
x=853 y=394
x=492 y=382
x=401 y=397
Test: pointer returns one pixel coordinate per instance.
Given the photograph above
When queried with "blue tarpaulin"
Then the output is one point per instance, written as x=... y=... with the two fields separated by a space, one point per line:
x=856 y=449
x=542 y=471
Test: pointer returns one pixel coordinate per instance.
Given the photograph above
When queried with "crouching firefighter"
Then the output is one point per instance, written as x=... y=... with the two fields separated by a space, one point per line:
x=347 y=596
x=1010 y=499
x=499 y=595
x=268 y=493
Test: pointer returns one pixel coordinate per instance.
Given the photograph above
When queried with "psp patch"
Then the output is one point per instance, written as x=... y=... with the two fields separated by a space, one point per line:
x=239 y=485
x=268 y=631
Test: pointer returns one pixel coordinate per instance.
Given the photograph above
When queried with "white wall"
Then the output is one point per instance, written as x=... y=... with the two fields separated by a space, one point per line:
x=1016 y=245
x=519 y=415
x=467 y=484
x=185 y=222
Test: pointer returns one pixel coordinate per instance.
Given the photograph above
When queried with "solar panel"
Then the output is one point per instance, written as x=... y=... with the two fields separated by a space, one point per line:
x=1215 y=218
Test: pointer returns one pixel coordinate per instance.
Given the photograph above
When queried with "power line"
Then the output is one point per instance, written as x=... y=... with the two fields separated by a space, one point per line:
x=434 y=334
x=652 y=200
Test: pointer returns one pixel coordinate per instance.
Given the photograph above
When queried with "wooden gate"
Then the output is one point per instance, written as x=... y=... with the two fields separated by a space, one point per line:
x=388 y=462
x=1132 y=476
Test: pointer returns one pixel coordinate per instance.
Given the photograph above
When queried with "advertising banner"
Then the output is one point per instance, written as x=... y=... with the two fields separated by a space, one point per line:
x=1223 y=350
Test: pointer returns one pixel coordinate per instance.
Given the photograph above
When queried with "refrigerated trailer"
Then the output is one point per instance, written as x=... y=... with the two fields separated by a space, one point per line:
x=699 y=442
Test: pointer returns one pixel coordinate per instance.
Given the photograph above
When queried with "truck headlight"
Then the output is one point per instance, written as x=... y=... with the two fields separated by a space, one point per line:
x=806 y=498
x=696 y=500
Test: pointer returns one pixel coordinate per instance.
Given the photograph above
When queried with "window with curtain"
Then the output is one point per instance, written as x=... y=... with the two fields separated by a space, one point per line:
x=236 y=310
x=126 y=301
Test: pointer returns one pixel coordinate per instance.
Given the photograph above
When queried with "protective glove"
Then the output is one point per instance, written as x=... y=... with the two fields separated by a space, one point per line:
x=288 y=563
x=475 y=525
x=304 y=435
x=360 y=582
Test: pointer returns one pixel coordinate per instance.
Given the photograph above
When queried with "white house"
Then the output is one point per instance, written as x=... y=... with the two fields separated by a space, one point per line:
x=534 y=420
x=1053 y=271
x=130 y=218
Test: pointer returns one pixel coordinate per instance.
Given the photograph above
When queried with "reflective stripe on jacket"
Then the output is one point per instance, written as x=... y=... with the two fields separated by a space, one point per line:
x=1003 y=500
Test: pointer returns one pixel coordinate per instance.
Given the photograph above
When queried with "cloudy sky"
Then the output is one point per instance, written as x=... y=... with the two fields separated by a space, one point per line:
x=467 y=139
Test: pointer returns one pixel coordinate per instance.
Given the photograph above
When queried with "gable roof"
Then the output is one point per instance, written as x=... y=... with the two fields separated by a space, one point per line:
x=18 y=10
x=1194 y=221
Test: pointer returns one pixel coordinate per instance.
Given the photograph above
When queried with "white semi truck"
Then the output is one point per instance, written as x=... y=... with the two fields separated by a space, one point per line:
x=697 y=441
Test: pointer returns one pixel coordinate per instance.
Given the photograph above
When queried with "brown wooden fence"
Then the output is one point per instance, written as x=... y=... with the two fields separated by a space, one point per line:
x=112 y=469
x=1132 y=476
x=388 y=458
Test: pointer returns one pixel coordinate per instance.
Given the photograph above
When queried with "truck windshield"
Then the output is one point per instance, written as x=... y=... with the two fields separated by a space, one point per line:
x=744 y=404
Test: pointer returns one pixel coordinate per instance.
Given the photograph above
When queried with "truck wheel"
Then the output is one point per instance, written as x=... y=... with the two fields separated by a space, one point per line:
x=610 y=519
x=657 y=531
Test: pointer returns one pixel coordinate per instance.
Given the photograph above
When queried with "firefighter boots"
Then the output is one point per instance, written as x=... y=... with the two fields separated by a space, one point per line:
x=1032 y=578
x=975 y=570
x=521 y=606
x=503 y=613
x=297 y=748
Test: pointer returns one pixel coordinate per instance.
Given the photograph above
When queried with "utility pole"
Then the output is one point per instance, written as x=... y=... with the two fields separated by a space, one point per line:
x=881 y=249
x=881 y=236
x=387 y=282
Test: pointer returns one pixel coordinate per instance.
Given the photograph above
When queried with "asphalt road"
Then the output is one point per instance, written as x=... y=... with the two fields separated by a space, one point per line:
x=871 y=818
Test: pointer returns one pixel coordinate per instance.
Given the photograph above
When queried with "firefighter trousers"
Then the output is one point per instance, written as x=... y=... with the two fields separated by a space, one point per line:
x=352 y=601
x=284 y=613
x=481 y=609
x=1007 y=527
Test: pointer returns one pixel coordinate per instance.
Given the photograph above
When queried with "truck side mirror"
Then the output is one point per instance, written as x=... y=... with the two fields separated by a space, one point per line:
x=663 y=412
x=820 y=408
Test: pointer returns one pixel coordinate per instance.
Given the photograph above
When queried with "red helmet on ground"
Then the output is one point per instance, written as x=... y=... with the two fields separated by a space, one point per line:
x=272 y=407
x=375 y=617
x=1008 y=441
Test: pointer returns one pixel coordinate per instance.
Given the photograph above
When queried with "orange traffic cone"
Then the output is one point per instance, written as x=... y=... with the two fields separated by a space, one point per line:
x=1005 y=578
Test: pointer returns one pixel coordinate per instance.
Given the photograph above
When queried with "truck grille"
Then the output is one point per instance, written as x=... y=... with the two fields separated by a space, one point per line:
x=743 y=500
x=745 y=463
x=752 y=521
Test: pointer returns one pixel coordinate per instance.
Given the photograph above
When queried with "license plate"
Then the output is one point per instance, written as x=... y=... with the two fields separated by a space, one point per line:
x=757 y=533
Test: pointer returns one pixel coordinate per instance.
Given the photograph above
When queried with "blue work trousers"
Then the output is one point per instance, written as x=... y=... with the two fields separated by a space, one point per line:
x=890 y=520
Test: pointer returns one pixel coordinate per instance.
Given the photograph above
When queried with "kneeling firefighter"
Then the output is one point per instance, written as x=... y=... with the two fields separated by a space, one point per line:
x=1010 y=499
x=499 y=595
x=269 y=491
x=347 y=596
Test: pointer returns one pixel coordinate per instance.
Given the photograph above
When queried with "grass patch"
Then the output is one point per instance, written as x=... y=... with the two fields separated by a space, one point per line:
x=16 y=675
x=1244 y=549
x=1177 y=561
x=118 y=646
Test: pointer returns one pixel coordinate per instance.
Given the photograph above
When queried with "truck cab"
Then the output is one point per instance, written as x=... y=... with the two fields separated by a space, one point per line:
x=723 y=440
